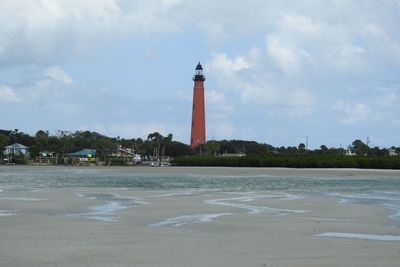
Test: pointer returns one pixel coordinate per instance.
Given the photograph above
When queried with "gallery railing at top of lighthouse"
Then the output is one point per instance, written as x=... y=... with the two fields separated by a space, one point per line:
x=199 y=77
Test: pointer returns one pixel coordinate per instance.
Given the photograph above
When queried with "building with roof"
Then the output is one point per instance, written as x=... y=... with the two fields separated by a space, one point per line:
x=123 y=156
x=393 y=152
x=16 y=153
x=84 y=156
x=45 y=157
x=16 y=149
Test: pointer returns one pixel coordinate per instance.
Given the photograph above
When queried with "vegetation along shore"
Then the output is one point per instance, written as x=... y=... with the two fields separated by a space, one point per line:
x=92 y=148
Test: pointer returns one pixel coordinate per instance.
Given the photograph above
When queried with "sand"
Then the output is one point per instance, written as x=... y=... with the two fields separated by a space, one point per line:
x=259 y=171
x=193 y=227
x=229 y=171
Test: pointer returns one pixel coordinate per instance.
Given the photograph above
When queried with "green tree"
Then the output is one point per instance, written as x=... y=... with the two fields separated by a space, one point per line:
x=4 y=141
x=302 y=146
x=324 y=148
x=359 y=147
x=177 y=149
x=41 y=140
x=211 y=148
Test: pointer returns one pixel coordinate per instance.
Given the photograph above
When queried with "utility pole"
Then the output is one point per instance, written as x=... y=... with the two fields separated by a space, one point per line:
x=368 y=141
x=307 y=142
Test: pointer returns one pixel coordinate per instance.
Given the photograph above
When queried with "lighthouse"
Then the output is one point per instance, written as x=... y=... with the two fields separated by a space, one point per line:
x=198 y=135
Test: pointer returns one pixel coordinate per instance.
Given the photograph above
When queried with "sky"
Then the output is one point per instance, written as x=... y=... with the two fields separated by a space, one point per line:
x=277 y=72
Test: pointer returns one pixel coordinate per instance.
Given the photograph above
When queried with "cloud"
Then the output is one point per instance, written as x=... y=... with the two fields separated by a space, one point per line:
x=47 y=88
x=294 y=101
x=126 y=130
x=288 y=59
x=277 y=57
x=386 y=43
x=8 y=95
x=41 y=29
x=250 y=77
x=353 y=113
x=226 y=66
x=218 y=108
x=222 y=130
x=55 y=73
x=300 y=24
x=380 y=105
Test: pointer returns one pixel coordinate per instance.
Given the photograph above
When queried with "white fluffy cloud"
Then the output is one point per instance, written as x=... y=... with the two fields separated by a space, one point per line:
x=55 y=73
x=218 y=108
x=281 y=57
x=287 y=58
x=128 y=129
x=353 y=112
x=247 y=76
x=226 y=67
x=8 y=95
x=379 y=106
x=301 y=24
x=48 y=87
x=39 y=29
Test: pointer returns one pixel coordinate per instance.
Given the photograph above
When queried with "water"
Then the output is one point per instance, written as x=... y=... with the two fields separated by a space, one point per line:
x=18 y=179
x=107 y=212
x=379 y=190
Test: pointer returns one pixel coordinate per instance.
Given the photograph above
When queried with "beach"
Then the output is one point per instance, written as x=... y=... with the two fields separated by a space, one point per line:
x=200 y=217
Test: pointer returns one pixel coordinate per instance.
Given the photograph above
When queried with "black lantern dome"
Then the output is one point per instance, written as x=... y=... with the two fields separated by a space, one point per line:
x=198 y=74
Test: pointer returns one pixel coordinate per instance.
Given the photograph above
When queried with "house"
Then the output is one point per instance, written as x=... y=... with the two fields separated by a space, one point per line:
x=392 y=152
x=123 y=155
x=84 y=156
x=16 y=153
x=121 y=152
x=46 y=158
x=349 y=152
x=226 y=154
x=16 y=149
x=46 y=155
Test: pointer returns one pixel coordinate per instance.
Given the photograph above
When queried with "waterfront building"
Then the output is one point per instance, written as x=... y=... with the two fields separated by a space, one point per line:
x=16 y=149
x=84 y=156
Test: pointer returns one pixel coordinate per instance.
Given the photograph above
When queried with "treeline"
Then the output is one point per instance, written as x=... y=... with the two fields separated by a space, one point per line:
x=214 y=148
x=293 y=161
x=65 y=142
x=257 y=154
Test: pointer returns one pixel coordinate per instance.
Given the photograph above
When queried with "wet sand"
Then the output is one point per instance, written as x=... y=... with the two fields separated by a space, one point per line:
x=268 y=171
x=184 y=227
x=228 y=171
x=120 y=227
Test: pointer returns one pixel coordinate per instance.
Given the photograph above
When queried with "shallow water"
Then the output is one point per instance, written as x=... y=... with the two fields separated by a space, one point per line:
x=16 y=179
x=379 y=190
x=68 y=216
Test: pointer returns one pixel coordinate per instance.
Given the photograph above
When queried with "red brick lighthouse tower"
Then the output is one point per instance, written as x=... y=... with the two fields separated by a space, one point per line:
x=198 y=135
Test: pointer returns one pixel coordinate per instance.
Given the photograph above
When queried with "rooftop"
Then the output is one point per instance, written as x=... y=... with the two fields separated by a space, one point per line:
x=16 y=145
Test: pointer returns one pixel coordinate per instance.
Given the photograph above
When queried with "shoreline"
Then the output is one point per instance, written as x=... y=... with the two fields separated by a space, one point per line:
x=220 y=170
